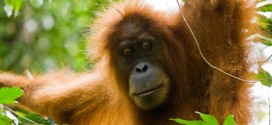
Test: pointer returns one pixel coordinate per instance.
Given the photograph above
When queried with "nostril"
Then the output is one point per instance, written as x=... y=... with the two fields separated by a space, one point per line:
x=144 y=68
x=138 y=70
x=141 y=68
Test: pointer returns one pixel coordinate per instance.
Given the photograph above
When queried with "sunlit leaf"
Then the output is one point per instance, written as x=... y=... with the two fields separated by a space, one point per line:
x=187 y=122
x=265 y=78
x=209 y=119
x=8 y=95
x=266 y=8
x=263 y=22
x=17 y=4
x=229 y=120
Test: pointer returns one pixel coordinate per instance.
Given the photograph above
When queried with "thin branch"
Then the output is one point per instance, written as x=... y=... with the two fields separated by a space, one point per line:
x=120 y=12
x=268 y=58
x=200 y=52
x=20 y=116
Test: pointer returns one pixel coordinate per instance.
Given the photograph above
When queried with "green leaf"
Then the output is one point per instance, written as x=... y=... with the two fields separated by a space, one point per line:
x=265 y=78
x=4 y=120
x=229 y=120
x=209 y=119
x=268 y=43
x=17 y=4
x=263 y=22
x=265 y=40
x=186 y=122
x=8 y=95
x=266 y=8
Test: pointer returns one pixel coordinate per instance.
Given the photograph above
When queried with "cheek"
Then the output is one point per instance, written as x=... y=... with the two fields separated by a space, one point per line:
x=123 y=71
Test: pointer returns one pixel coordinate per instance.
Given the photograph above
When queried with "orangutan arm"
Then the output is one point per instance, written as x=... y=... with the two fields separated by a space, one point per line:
x=59 y=95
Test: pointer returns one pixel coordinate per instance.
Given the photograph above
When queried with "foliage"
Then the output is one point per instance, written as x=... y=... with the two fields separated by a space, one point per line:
x=34 y=118
x=265 y=78
x=13 y=93
x=8 y=96
x=265 y=23
x=206 y=120
x=266 y=8
x=44 y=35
x=4 y=120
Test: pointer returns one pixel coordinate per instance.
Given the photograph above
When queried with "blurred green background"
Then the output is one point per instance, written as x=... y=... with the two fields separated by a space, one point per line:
x=44 y=35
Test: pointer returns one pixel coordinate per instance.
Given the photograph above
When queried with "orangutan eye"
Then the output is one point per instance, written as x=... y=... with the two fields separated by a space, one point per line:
x=127 y=52
x=146 y=45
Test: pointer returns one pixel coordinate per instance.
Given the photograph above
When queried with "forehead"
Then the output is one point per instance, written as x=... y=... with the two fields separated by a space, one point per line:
x=132 y=30
x=141 y=37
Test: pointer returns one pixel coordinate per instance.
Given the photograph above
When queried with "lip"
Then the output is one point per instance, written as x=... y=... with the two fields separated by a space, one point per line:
x=148 y=92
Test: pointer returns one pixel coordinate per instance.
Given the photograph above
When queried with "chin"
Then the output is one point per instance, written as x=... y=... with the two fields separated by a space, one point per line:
x=152 y=99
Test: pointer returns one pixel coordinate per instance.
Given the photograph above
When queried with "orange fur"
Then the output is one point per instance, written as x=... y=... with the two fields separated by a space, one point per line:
x=97 y=98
